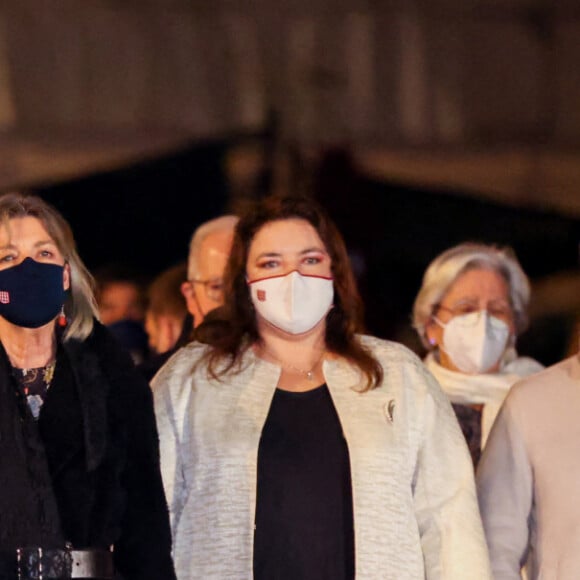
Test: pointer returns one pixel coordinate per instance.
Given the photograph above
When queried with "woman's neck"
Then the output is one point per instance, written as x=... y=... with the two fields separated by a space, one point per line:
x=28 y=348
x=299 y=356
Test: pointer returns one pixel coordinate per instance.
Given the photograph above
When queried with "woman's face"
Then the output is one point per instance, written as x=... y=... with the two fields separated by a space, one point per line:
x=473 y=291
x=26 y=237
x=284 y=246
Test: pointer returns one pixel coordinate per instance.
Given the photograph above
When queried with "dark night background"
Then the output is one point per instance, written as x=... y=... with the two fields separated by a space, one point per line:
x=144 y=216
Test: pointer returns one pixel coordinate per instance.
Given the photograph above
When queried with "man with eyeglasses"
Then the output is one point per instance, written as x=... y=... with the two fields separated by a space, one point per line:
x=208 y=255
x=209 y=250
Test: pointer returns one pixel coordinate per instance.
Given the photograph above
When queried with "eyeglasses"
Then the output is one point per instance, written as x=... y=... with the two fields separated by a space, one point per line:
x=500 y=311
x=214 y=288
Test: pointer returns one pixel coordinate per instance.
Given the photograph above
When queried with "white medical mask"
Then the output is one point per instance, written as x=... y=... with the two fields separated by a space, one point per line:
x=294 y=303
x=474 y=342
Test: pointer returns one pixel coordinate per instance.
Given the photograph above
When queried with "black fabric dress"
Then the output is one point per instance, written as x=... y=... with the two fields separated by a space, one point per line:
x=304 y=516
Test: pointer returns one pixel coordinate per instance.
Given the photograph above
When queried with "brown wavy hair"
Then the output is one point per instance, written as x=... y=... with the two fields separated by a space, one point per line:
x=232 y=328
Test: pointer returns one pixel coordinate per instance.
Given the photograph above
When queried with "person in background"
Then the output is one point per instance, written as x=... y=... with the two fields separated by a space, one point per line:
x=208 y=254
x=202 y=287
x=165 y=317
x=120 y=293
x=294 y=447
x=166 y=309
x=528 y=479
x=471 y=307
x=121 y=299
x=79 y=457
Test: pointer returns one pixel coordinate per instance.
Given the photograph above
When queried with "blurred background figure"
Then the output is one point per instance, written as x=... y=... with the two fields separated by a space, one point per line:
x=121 y=299
x=471 y=307
x=166 y=309
x=167 y=321
x=120 y=293
x=201 y=284
x=528 y=479
x=209 y=250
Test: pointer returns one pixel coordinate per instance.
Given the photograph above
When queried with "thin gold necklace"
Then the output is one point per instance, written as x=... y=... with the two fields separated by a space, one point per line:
x=309 y=374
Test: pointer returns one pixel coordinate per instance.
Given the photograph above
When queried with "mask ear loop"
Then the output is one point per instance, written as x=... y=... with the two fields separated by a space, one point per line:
x=438 y=322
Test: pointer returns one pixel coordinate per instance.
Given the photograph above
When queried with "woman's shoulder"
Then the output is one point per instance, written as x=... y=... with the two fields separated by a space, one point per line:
x=100 y=343
x=563 y=376
x=181 y=364
x=523 y=366
x=401 y=366
x=104 y=368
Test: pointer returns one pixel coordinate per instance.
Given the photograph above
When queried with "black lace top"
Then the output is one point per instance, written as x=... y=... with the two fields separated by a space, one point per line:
x=33 y=385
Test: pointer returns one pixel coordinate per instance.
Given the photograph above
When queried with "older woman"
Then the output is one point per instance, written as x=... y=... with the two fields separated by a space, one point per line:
x=470 y=308
x=293 y=447
x=81 y=488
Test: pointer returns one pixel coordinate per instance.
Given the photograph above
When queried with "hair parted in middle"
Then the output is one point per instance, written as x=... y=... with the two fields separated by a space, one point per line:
x=448 y=266
x=234 y=327
x=80 y=304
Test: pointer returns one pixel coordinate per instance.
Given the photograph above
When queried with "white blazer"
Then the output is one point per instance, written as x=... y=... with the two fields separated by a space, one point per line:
x=414 y=501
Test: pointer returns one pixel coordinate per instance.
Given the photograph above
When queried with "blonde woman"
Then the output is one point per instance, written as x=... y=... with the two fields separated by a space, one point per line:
x=79 y=461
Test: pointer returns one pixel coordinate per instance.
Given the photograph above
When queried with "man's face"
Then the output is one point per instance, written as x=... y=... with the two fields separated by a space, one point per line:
x=203 y=293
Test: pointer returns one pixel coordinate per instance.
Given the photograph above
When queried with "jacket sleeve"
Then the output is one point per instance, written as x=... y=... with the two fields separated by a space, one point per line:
x=505 y=491
x=444 y=494
x=166 y=412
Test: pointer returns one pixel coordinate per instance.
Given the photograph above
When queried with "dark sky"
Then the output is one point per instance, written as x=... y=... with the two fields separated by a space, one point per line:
x=144 y=216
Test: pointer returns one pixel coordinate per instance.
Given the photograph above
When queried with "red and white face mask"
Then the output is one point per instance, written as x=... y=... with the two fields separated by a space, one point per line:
x=294 y=303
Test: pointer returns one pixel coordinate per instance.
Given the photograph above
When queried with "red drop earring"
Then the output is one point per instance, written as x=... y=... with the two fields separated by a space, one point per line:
x=61 y=320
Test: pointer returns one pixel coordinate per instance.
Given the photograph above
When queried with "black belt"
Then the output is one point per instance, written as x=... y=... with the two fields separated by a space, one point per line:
x=36 y=563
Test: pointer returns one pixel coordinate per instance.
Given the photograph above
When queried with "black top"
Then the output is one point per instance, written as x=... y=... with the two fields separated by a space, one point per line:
x=470 y=423
x=304 y=518
x=34 y=384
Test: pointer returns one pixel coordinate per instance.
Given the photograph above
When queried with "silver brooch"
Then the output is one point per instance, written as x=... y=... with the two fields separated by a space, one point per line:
x=390 y=410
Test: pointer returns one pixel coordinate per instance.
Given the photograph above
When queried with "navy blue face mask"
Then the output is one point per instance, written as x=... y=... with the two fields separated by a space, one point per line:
x=32 y=293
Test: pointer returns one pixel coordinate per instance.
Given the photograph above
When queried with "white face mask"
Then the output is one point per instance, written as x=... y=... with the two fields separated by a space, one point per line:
x=294 y=303
x=474 y=342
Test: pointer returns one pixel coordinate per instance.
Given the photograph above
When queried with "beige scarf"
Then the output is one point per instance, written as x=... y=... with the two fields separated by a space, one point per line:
x=488 y=389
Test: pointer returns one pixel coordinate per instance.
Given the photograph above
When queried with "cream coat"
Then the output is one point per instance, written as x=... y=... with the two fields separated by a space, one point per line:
x=415 y=509
x=529 y=478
